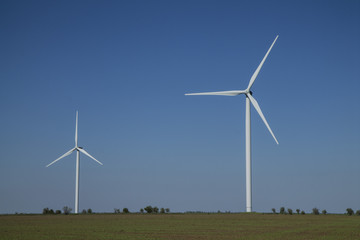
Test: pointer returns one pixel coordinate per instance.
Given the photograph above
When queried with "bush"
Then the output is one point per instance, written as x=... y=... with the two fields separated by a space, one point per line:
x=324 y=212
x=51 y=211
x=167 y=210
x=67 y=210
x=116 y=210
x=282 y=210
x=302 y=213
x=89 y=211
x=125 y=210
x=298 y=211
x=315 y=211
x=148 y=209
x=142 y=210
x=58 y=212
x=357 y=213
x=290 y=211
x=273 y=210
x=46 y=211
x=156 y=210
x=83 y=211
x=349 y=211
x=162 y=210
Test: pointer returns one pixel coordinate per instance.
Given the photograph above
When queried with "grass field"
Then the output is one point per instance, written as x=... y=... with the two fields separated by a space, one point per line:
x=179 y=226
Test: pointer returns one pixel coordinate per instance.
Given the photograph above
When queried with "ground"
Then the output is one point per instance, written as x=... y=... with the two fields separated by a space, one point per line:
x=179 y=226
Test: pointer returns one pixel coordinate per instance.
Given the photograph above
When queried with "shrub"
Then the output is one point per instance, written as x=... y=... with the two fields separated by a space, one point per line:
x=83 y=211
x=46 y=211
x=116 y=210
x=357 y=213
x=58 y=212
x=148 y=209
x=298 y=211
x=282 y=210
x=302 y=213
x=324 y=212
x=273 y=210
x=349 y=211
x=156 y=210
x=51 y=211
x=315 y=211
x=125 y=210
x=89 y=211
x=290 y=211
x=142 y=210
x=162 y=210
x=67 y=210
x=167 y=210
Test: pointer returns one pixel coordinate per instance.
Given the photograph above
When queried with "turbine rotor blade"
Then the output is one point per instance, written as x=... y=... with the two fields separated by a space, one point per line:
x=87 y=154
x=222 y=93
x=76 y=130
x=252 y=80
x=257 y=107
x=66 y=154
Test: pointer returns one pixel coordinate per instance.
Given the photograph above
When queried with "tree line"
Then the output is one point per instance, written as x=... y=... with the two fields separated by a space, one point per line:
x=67 y=210
x=315 y=211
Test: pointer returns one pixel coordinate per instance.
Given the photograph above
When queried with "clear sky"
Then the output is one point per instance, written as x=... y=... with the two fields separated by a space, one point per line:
x=125 y=65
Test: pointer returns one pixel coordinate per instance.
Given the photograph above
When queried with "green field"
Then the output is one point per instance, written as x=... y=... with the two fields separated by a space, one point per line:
x=179 y=226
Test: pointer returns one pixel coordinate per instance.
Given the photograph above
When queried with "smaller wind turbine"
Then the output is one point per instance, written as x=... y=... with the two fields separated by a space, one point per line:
x=78 y=150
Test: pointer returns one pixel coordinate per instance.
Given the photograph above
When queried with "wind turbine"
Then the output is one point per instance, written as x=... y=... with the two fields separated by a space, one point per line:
x=249 y=99
x=78 y=150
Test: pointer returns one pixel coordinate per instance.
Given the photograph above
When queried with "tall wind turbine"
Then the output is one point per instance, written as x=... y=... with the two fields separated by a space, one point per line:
x=78 y=150
x=249 y=99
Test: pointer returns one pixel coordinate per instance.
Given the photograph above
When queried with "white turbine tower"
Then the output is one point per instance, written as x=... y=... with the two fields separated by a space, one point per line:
x=78 y=150
x=249 y=98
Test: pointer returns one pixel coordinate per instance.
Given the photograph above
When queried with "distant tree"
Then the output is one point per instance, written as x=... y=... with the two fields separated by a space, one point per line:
x=302 y=213
x=324 y=212
x=290 y=211
x=156 y=210
x=167 y=210
x=162 y=210
x=298 y=211
x=125 y=210
x=357 y=213
x=67 y=210
x=315 y=211
x=51 y=211
x=282 y=210
x=349 y=211
x=84 y=211
x=148 y=209
x=89 y=211
x=141 y=210
x=58 y=212
x=273 y=210
x=46 y=211
x=116 y=210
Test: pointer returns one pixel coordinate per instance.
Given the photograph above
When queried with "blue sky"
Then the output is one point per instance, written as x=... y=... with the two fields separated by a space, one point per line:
x=125 y=65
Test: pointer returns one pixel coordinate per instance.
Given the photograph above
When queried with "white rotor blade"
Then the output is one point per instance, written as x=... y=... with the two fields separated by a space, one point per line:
x=66 y=154
x=87 y=154
x=252 y=80
x=222 y=93
x=76 y=130
x=257 y=107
